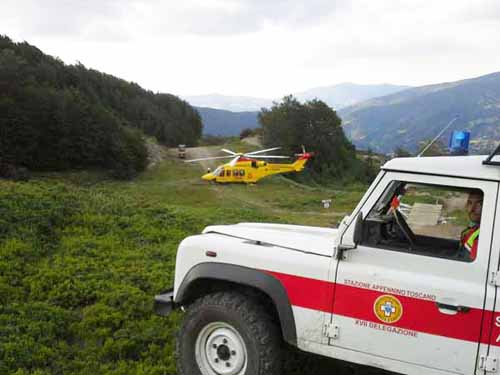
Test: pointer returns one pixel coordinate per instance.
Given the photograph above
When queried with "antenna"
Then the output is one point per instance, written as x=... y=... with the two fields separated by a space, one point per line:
x=439 y=135
x=489 y=160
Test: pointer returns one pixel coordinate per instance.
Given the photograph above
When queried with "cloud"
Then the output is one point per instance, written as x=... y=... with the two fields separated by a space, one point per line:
x=94 y=19
x=411 y=32
x=264 y=47
x=120 y=20
x=486 y=10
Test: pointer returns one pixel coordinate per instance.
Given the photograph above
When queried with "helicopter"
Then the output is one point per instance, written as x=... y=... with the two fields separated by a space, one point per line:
x=246 y=168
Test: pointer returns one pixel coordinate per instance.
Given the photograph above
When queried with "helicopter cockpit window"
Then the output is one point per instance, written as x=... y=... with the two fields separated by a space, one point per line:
x=423 y=219
x=216 y=172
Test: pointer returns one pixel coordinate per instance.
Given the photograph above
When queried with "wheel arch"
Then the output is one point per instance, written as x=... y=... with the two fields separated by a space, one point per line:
x=196 y=284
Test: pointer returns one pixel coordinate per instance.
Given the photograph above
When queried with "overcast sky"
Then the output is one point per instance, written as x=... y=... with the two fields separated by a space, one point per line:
x=264 y=48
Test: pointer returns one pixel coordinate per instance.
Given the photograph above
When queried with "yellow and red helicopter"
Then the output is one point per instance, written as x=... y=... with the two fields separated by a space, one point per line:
x=245 y=167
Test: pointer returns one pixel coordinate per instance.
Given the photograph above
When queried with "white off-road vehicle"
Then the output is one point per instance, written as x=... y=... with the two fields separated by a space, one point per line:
x=393 y=287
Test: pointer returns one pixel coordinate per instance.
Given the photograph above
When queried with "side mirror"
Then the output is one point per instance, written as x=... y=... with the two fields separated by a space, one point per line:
x=358 y=229
x=357 y=237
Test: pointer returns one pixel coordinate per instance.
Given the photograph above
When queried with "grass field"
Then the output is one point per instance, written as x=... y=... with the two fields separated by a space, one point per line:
x=177 y=183
x=81 y=257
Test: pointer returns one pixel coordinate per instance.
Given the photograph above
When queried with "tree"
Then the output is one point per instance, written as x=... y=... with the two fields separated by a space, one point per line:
x=400 y=152
x=371 y=164
x=56 y=116
x=245 y=133
x=436 y=149
x=290 y=124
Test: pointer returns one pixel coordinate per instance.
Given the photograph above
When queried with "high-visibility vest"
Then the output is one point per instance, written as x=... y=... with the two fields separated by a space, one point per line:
x=469 y=240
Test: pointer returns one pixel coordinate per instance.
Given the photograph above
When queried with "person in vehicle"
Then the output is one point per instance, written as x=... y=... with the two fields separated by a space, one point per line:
x=470 y=235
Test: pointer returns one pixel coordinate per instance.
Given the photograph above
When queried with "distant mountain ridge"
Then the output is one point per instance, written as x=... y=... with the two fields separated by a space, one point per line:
x=336 y=96
x=347 y=94
x=407 y=117
x=226 y=123
x=228 y=115
x=229 y=103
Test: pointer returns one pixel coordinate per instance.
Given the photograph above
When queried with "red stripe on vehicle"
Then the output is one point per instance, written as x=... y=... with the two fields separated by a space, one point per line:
x=418 y=314
x=308 y=293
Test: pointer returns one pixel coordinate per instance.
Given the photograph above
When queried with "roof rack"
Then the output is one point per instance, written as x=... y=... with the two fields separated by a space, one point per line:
x=489 y=160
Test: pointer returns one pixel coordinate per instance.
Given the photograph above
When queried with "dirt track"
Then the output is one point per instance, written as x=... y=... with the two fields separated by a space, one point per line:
x=204 y=152
x=200 y=152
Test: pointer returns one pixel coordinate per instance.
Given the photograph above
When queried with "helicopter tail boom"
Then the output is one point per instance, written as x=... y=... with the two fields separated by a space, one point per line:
x=301 y=161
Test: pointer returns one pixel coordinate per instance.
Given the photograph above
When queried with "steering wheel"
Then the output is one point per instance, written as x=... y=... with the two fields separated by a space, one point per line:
x=408 y=233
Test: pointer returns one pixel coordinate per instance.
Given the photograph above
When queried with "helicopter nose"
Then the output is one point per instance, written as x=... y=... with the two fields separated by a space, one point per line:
x=208 y=177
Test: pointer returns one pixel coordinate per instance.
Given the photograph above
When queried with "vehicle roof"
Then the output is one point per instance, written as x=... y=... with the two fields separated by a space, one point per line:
x=456 y=166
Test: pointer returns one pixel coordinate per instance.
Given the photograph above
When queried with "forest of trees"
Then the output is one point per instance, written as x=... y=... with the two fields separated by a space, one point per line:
x=313 y=124
x=57 y=116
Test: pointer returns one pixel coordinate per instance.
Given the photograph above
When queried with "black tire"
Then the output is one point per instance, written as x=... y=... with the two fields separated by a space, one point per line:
x=260 y=335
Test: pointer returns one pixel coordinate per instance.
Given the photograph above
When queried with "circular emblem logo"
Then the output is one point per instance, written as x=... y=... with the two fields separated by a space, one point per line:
x=388 y=309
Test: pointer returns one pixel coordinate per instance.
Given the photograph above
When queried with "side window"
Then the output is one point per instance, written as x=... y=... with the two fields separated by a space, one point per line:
x=221 y=173
x=228 y=173
x=431 y=220
x=242 y=172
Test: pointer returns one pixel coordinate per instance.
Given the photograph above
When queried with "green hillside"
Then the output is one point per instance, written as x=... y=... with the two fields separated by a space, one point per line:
x=57 y=116
x=405 y=118
x=81 y=258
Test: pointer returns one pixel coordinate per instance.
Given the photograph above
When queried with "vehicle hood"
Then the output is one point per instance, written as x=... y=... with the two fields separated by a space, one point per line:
x=313 y=240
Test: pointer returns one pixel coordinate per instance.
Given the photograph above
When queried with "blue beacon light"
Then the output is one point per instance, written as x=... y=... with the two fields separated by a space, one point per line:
x=459 y=143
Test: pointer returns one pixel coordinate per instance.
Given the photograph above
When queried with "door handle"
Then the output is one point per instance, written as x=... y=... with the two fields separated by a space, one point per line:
x=457 y=308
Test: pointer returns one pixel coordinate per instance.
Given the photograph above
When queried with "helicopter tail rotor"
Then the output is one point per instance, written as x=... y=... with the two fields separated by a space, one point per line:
x=304 y=154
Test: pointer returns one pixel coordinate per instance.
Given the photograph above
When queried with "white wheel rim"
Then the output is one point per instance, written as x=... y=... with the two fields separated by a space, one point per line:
x=220 y=350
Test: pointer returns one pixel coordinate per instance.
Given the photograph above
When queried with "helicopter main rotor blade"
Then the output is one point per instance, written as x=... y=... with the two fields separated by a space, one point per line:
x=269 y=157
x=228 y=151
x=233 y=162
x=212 y=158
x=262 y=151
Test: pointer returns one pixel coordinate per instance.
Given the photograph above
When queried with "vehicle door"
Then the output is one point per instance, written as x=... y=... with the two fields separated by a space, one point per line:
x=417 y=304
